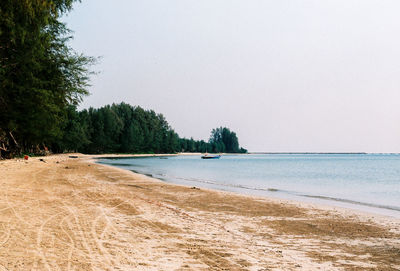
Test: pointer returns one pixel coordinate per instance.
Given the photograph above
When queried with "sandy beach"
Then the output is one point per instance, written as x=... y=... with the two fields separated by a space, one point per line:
x=72 y=214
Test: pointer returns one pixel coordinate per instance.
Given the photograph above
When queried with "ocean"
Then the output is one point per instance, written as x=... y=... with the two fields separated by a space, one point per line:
x=366 y=182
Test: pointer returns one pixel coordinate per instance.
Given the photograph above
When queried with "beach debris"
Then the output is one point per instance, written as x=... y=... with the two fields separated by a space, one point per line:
x=42 y=160
x=26 y=157
x=73 y=156
x=194 y=187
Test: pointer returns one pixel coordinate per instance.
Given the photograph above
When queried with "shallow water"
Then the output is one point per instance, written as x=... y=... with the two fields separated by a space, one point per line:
x=368 y=182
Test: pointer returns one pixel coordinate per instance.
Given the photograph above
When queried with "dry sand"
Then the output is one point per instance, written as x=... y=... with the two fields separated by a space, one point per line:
x=72 y=214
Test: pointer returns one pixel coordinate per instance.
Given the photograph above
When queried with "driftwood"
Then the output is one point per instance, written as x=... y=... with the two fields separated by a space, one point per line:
x=12 y=137
x=3 y=147
x=9 y=146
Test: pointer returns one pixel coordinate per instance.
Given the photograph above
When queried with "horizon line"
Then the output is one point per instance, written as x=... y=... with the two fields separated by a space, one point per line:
x=262 y=152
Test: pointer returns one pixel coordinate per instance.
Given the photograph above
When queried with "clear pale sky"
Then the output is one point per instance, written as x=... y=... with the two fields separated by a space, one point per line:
x=284 y=75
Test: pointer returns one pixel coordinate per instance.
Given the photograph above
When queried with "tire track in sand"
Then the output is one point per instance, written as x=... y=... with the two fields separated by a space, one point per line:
x=40 y=238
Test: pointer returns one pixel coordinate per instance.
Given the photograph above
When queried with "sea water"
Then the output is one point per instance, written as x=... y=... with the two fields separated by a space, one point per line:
x=367 y=182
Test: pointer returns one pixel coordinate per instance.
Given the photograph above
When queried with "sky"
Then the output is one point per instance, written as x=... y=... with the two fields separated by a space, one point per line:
x=286 y=76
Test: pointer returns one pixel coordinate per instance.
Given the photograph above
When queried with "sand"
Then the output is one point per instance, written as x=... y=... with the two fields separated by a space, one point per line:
x=72 y=214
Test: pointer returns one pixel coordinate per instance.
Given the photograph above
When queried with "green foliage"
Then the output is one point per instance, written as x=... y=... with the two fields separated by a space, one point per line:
x=122 y=128
x=221 y=140
x=224 y=140
x=119 y=128
x=40 y=75
x=75 y=132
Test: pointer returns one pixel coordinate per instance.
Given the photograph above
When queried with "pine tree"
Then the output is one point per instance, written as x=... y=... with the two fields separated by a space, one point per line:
x=40 y=75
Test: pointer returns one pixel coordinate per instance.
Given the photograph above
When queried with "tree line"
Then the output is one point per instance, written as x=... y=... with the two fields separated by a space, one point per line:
x=122 y=128
x=43 y=80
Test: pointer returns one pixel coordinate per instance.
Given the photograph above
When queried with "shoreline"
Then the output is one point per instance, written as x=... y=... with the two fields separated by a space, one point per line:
x=302 y=204
x=271 y=193
x=71 y=213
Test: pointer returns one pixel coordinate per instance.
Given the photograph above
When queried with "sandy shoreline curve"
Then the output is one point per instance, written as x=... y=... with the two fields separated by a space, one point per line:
x=67 y=213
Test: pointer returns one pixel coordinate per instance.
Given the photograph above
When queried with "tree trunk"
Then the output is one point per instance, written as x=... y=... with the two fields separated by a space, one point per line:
x=13 y=146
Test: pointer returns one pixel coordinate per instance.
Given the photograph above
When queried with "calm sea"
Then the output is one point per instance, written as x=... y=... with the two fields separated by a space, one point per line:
x=368 y=182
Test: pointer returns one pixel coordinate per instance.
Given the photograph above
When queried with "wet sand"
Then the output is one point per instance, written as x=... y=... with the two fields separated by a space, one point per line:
x=71 y=214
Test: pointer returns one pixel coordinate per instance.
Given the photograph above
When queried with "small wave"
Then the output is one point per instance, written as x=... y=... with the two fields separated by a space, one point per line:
x=119 y=164
x=240 y=186
x=165 y=176
x=212 y=182
x=388 y=207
